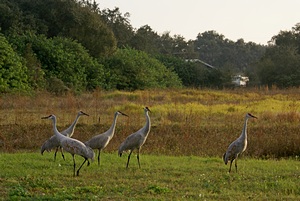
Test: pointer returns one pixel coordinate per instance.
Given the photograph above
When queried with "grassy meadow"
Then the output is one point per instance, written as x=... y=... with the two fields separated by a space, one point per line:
x=181 y=159
x=31 y=176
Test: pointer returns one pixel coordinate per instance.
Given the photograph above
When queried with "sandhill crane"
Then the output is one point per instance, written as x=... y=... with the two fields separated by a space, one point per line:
x=238 y=146
x=137 y=139
x=72 y=146
x=101 y=141
x=53 y=142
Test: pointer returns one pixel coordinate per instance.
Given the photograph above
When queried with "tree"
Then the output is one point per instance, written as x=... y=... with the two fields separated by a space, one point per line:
x=209 y=46
x=119 y=24
x=63 y=61
x=13 y=75
x=280 y=66
x=131 y=69
x=147 y=40
x=184 y=70
x=80 y=21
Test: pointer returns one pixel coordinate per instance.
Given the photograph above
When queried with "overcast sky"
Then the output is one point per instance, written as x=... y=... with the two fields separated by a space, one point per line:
x=252 y=20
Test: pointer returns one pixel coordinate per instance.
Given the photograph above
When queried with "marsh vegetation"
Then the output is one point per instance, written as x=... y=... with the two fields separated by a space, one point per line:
x=182 y=157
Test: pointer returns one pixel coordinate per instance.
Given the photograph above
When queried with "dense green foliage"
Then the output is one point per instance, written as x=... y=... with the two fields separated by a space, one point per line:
x=193 y=74
x=72 y=19
x=12 y=71
x=62 y=59
x=131 y=69
x=280 y=65
x=71 y=45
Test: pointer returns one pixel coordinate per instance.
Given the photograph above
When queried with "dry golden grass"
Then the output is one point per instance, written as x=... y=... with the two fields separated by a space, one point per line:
x=184 y=122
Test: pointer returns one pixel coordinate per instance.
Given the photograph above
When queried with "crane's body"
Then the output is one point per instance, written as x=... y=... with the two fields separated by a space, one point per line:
x=238 y=146
x=53 y=142
x=137 y=139
x=72 y=146
x=101 y=141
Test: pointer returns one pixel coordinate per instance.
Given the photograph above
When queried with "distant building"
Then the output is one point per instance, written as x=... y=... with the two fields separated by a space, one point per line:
x=239 y=80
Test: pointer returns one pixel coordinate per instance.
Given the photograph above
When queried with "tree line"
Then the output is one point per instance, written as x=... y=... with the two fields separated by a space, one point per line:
x=75 y=45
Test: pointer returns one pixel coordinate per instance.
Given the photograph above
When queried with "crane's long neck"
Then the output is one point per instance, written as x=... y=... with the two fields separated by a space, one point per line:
x=56 y=132
x=147 y=125
x=71 y=128
x=111 y=130
x=244 y=131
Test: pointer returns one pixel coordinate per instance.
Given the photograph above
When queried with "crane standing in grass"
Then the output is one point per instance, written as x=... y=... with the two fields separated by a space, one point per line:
x=53 y=142
x=238 y=146
x=101 y=141
x=137 y=139
x=72 y=146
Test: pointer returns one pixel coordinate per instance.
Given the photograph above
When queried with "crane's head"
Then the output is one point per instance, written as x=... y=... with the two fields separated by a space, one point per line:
x=120 y=152
x=147 y=109
x=82 y=113
x=248 y=115
x=122 y=148
x=51 y=116
x=121 y=113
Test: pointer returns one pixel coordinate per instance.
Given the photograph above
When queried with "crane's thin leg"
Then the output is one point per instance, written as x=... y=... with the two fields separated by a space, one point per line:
x=55 y=153
x=62 y=153
x=128 y=158
x=99 y=157
x=235 y=164
x=81 y=166
x=138 y=157
x=74 y=163
x=230 y=166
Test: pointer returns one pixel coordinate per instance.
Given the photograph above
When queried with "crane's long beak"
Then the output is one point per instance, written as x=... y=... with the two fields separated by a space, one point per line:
x=124 y=114
x=46 y=117
x=85 y=113
x=254 y=116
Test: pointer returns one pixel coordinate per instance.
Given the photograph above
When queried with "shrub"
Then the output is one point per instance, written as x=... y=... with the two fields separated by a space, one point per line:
x=63 y=59
x=131 y=69
x=12 y=72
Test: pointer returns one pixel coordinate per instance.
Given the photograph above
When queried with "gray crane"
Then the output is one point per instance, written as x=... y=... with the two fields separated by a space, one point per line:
x=53 y=142
x=101 y=141
x=238 y=146
x=72 y=146
x=137 y=139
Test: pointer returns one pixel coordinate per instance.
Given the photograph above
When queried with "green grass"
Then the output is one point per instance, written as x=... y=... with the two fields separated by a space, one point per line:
x=31 y=176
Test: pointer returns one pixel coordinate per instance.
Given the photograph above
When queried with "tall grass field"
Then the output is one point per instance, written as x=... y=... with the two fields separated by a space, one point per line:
x=181 y=159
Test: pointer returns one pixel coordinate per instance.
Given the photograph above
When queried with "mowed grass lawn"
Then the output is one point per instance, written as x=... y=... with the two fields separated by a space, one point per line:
x=32 y=176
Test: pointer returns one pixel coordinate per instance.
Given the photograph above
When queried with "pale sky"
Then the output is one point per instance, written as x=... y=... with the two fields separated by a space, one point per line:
x=253 y=20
